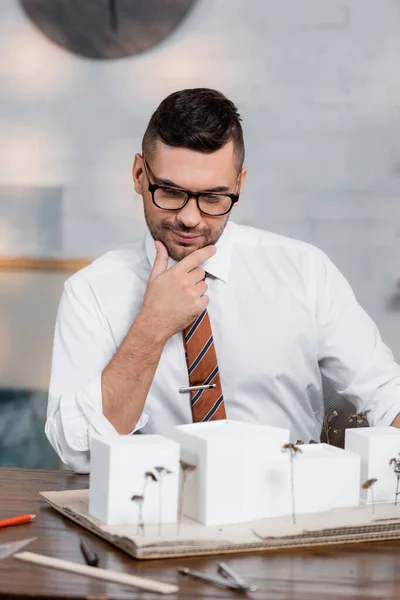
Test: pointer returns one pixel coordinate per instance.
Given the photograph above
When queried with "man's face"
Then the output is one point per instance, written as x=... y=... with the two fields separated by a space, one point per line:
x=185 y=230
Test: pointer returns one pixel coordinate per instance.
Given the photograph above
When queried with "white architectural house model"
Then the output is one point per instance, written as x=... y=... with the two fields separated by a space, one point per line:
x=376 y=446
x=235 y=479
x=118 y=472
x=241 y=473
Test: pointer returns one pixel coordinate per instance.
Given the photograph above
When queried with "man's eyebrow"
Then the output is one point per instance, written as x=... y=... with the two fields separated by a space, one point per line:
x=220 y=188
x=169 y=183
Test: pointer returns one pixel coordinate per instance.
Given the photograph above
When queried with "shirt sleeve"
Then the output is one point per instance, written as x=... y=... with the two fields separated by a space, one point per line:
x=83 y=346
x=350 y=350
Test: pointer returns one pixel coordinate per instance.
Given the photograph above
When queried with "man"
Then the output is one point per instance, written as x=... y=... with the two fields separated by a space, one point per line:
x=247 y=317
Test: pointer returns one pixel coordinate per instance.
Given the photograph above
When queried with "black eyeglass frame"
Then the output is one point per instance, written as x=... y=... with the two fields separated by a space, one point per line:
x=153 y=187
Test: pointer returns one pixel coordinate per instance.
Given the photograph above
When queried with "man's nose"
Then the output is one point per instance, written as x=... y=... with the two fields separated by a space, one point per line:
x=190 y=215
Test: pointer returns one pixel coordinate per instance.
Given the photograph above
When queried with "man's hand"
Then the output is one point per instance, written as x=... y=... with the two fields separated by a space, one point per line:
x=175 y=297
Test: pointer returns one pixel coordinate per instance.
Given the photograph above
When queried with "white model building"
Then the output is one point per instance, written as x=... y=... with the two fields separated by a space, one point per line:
x=376 y=446
x=325 y=477
x=228 y=485
x=118 y=467
x=242 y=474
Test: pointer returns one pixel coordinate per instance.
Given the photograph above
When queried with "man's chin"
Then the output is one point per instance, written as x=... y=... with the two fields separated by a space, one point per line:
x=177 y=251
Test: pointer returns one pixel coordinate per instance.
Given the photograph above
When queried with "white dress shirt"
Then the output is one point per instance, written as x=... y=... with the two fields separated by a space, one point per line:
x=281 y=314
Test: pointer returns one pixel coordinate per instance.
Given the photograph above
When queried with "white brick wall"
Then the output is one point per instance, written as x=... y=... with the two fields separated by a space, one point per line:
x=318 y=85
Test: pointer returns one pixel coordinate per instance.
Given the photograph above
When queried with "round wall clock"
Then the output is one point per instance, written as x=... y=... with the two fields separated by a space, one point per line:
x=106 y=29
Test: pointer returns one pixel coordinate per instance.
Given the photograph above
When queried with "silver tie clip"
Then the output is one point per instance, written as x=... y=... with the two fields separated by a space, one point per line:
x=194 y=388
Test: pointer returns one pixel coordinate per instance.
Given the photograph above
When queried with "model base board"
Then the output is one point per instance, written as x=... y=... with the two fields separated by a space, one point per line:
x=337 y=526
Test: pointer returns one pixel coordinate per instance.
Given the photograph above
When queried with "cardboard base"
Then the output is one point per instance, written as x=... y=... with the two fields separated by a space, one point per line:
x=338 y=526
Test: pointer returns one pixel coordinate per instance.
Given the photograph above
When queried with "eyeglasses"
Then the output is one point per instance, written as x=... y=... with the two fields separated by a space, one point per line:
x=170 y=198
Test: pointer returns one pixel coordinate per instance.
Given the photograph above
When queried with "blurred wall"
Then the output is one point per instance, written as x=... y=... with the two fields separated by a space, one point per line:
x=318 y=86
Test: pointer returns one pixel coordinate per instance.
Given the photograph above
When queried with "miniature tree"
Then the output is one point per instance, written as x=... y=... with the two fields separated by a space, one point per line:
x=162 y=471
x=327 y=424
x=369 y=485
x=148 y=476
x=395 y=463
x=186 y=469
x=292 y=449
x=139 y=499
x=360 y=419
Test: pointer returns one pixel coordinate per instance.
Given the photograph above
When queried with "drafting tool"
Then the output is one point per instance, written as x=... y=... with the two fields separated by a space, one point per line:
x=11 y=547
x=106 y=575
x=232 y=575
x=17 y=520
x=89 y=555
x=229 y=579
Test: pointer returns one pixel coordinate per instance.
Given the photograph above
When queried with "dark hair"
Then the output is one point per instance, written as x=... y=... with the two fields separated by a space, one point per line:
x=200 y=119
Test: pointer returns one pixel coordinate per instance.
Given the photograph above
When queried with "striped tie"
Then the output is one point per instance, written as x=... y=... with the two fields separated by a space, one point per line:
x=201 y=359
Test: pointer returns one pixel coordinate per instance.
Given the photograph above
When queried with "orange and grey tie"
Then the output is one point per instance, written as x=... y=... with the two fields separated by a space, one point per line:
x=201 y=359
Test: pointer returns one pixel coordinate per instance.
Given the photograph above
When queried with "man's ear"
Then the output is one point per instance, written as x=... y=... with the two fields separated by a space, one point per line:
x=243 y=176
x=242 y=179
x=138 y=174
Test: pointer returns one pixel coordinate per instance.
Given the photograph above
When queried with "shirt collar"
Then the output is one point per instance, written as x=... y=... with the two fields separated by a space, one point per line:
x=218 y=265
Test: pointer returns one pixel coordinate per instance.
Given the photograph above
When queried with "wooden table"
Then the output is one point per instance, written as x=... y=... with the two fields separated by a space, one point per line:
x=369 y=571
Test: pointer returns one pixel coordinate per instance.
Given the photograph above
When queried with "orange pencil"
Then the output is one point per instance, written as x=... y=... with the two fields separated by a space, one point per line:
x=17 y=520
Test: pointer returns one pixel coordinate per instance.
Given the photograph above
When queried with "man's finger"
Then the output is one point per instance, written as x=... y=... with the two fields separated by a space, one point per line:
x=161 y=261
x=201 y=288
x=195 y=259
x=197 y=275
